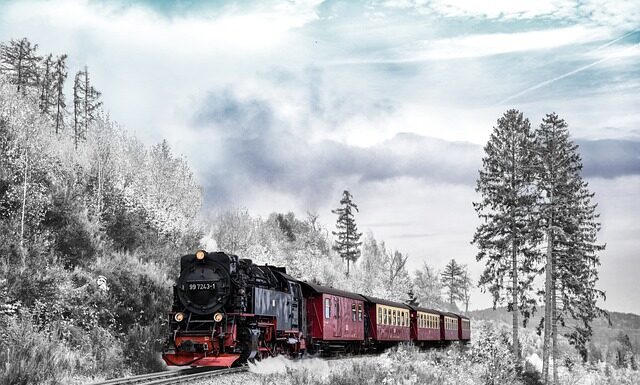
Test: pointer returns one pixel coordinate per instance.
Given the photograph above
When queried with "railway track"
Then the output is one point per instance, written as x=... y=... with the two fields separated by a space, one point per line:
x=191 y=374
x=171 y=377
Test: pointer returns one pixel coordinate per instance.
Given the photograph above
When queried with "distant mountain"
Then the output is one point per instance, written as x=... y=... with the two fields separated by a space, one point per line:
x=627 y=323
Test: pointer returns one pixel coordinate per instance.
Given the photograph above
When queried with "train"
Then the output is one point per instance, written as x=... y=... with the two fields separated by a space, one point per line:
x=227 y=311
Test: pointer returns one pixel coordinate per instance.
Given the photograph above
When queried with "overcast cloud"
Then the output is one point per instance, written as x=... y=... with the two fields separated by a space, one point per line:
x=281 y=106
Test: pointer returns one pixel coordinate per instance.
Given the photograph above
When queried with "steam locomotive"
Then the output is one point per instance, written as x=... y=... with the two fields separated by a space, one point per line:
x=227 y=310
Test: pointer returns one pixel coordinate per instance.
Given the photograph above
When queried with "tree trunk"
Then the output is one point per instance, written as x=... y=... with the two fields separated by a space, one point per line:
x=514 y=298
x=548 y=287
x=554 y=329
x=24 y=204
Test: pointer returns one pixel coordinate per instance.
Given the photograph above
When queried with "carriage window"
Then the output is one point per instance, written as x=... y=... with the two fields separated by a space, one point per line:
x=353 y=312
x=337 y=308
x=359 y=312
x=385 y=317
x=379 y=315
x=393 y=320
x=327 y=308
x=402 y=319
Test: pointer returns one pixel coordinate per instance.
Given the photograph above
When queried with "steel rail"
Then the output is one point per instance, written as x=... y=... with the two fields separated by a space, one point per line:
x=169 y=377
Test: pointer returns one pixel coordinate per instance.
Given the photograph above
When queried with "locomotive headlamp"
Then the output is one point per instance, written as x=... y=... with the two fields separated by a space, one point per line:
x=217 y=317
x=200 y=255
x=178 y=317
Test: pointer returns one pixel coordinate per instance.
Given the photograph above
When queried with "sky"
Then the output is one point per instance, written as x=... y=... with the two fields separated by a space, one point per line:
x=280 y=106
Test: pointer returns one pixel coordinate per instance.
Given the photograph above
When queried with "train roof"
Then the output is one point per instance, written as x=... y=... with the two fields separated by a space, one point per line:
x=385 y=302
x=306 y=286
x=425 y=310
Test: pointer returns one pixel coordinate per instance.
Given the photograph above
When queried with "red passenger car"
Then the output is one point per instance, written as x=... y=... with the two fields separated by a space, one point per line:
x=425 y=325
x=464 y=328
x=389 y=321
x=449 y=327
x=335 y=318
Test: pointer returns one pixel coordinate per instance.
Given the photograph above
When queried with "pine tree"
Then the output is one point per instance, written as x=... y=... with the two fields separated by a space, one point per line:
x=507 y=236
x=571 y=250
x=18 y=60
x=348 y=242
x=85 y=105
x=452 y=280
x=47 y=86
x=60 y=76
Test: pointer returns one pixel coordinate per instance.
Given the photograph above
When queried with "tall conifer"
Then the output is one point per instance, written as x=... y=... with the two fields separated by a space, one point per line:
x=571 y=227
x=507 y=236
x=348 y=242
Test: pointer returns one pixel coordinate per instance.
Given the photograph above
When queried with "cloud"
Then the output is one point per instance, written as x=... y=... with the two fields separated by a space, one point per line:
x=610 y=158
x=619 y=13
x=261 y=152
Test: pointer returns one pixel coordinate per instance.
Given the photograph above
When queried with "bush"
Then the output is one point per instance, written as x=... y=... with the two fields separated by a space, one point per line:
x=142 y=347
x=30 y=357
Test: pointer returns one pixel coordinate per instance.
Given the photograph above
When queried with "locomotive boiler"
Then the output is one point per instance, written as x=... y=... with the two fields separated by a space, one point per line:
x=227 y=310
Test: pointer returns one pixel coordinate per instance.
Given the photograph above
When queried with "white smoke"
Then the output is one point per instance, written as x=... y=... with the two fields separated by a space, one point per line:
x=208 y=243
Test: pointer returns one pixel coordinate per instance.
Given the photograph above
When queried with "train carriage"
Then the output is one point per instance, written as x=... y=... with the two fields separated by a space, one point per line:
x=335 y=317
x=464 y=328
x=425 y=325
x=389 y=321
x=449 y=327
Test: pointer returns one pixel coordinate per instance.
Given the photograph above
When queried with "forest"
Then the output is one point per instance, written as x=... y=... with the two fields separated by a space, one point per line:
x=93 y=222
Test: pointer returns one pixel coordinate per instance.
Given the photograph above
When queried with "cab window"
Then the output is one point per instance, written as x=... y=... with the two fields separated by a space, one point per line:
x=353 y=312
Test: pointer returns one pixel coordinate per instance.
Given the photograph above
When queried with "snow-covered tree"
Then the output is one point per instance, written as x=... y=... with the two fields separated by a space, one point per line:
x=507 y=236
x=428 y=287
x=25 y=166
x=348 y=242
x=466 y=285
x=19 y=62
x=571 y=229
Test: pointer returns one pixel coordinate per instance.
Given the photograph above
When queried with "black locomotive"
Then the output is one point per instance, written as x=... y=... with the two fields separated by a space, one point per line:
x=228 y=310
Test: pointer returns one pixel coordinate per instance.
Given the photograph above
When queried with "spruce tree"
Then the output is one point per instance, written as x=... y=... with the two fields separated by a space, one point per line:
x=60 y=76
x=507 y=236
x=19 y=61
x=571 y=227
x=348 y=242
x=86 y=105
x=452 y=280
x=47 y=85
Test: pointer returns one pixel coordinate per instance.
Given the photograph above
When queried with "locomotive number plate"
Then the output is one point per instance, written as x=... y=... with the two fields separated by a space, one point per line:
x=202 y=286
